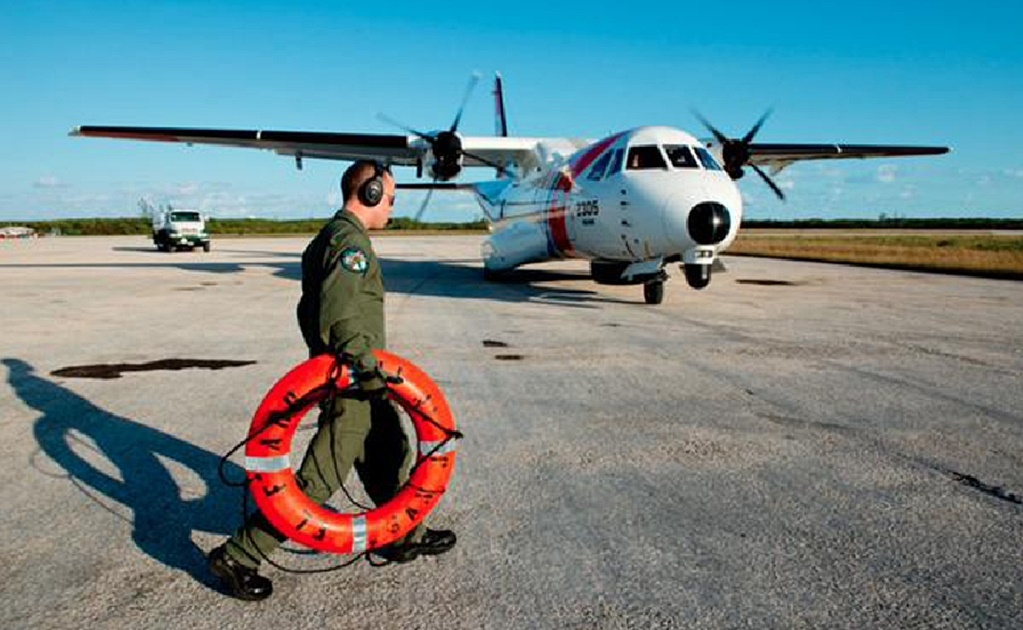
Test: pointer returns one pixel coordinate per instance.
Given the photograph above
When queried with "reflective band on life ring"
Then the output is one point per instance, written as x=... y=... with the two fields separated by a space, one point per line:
x=272 y=479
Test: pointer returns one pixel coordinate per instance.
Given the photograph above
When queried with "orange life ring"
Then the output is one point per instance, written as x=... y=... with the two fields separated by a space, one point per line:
x=272 y=480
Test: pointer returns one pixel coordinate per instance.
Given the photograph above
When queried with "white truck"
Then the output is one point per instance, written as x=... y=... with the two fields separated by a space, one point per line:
x=173 y=229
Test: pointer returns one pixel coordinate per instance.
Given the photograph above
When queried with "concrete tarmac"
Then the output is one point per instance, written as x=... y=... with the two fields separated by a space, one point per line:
x=797 y=446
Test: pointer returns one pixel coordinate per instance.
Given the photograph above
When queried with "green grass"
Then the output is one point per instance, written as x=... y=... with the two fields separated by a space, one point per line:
x=990 y=255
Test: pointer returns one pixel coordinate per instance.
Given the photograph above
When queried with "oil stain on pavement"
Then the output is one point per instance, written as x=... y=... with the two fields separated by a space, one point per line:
x=115 y=370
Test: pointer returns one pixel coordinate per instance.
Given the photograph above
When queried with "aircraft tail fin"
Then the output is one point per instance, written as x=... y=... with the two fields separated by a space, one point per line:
x=500 y=119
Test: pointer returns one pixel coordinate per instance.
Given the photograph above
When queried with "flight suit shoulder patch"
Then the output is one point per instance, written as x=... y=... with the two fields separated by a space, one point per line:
x=354 y=259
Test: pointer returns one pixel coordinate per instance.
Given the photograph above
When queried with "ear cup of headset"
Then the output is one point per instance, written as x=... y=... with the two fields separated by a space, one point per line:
x=371 y=193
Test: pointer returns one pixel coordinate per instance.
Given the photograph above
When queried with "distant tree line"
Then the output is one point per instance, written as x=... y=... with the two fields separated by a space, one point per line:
x=887 y=223
x=87 y=227
x=143 y=226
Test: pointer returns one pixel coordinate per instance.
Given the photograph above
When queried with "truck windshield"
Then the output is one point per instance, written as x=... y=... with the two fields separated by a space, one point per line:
x=185 y=216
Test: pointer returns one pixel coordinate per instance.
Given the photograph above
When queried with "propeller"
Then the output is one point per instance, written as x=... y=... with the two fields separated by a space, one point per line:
x=736 y=154
x=446 y=146
x=473 y=80
x=422 y=207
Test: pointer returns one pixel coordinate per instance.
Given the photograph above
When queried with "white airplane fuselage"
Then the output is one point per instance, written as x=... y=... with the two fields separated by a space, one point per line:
x=600 y=206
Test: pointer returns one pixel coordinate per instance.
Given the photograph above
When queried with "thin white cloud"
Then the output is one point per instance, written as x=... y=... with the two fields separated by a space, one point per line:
x=886 y=173
x=49 y=181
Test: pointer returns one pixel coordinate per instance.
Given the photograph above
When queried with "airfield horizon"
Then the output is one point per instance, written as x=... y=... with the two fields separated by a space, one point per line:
x=980 y=252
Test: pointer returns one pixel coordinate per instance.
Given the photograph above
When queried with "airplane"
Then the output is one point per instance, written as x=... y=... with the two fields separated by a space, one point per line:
x=630 y=203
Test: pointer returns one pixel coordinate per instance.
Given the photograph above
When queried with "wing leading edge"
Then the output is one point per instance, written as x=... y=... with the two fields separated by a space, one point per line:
x=393 y=149
x=398 y=150
x=778 y=156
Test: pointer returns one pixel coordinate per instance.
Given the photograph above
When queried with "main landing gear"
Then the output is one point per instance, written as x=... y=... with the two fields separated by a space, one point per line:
x=653 y=292
x=697 y=276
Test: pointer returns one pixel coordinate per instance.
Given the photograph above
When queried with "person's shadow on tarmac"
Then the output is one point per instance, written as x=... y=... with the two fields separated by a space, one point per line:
x=163 y=521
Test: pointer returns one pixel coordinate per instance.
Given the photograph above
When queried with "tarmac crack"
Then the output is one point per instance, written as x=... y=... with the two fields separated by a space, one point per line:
x=970 y=481
x=883 y=446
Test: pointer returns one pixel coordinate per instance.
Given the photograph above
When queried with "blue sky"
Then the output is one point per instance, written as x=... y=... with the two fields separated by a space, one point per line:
x=945 y=73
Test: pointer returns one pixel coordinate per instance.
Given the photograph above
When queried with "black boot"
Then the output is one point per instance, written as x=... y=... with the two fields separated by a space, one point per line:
x=239 y=580
x=433 y=542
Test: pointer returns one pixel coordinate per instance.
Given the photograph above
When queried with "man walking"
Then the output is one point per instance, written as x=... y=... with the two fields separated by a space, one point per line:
x=342 y=312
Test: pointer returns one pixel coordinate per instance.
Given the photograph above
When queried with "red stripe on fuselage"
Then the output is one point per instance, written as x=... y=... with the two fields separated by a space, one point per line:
x=557 y=214
x=579 y=165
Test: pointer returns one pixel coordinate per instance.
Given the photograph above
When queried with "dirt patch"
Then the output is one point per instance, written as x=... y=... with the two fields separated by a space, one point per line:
x=490 y=343
x=509 y=357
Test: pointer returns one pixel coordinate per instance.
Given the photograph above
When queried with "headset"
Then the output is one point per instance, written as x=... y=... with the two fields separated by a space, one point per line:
x=371 y=192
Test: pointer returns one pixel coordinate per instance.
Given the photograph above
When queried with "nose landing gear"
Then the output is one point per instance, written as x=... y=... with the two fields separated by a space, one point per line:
x=698 y=276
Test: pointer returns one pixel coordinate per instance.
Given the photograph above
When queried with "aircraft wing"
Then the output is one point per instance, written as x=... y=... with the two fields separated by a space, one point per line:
x=393 y=149
x=402 y=150
x=525 y=153
x=778 y=156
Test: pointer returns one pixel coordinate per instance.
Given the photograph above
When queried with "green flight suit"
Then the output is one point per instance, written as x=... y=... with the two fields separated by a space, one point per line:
x=341 y=311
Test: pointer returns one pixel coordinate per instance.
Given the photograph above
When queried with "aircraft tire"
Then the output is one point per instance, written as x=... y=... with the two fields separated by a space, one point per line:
x=653 y=292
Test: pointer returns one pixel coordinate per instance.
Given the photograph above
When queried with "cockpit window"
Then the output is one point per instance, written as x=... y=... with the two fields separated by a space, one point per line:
x=680 y=156
x=597 y=170
x=707 y=159
x=616 y=162
x=184 y=216
x=645 y=157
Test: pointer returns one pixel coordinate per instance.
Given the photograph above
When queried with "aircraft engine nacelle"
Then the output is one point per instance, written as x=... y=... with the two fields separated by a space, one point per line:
x=709 y=223
x=612 y=272
x=447 y=156
x=514 y=244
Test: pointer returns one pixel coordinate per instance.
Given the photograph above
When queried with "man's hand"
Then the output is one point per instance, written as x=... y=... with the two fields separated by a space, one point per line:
x=373 y=385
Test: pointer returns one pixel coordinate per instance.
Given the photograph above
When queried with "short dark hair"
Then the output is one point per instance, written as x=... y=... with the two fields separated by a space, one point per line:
x=358 y=174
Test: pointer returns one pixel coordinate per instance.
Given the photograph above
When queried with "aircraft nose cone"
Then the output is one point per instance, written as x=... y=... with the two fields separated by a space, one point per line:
x=709 y=223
